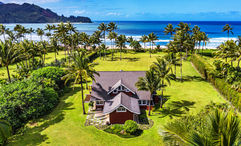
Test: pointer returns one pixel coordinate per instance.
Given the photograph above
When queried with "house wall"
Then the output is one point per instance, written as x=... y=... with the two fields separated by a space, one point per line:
x=120 y=117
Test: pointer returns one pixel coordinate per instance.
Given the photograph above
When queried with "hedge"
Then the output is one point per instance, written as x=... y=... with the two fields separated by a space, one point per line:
x=221 y=85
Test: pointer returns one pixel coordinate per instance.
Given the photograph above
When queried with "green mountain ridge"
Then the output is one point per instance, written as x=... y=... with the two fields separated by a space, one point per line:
x=30 y=13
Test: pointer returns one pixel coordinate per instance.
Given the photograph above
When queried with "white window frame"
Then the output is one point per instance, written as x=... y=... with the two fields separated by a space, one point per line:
x=100 y=102
x=142 y=102
x=122 y=109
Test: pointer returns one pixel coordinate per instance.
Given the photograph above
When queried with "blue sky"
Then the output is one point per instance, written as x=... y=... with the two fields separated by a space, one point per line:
x=163 y=10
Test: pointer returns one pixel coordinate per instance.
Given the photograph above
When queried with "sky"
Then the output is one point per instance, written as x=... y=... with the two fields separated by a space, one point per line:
x=144 y=10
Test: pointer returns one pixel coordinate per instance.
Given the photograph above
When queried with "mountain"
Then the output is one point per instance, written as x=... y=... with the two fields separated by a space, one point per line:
x=30 y=13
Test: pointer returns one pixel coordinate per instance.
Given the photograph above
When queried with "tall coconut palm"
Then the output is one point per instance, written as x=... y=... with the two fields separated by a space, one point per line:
x=162 y=68
x=80 y=68
x=8 y=55
x=169 y=29
x=120 y=42
x=3 y=31
x=152 y=37
x=40 y=33
x=5 y=131
x=112 y=27
x=55 y=47
x=112 y=36
x=151 y=82
x=103 y=28
x=228 y=28
x=144 y=40
x=30 y=32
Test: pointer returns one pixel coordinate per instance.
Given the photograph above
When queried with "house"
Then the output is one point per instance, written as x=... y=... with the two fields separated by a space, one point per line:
x=115 y=93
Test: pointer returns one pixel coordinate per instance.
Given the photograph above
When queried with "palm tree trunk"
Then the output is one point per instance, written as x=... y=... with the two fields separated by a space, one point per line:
x=9 y=77
x=181 y=67
x=149 y=112
x=82 y=92
x=120 y=53
x=55 y=57
x=239 y=62
x=175 y=69
x=162 y=93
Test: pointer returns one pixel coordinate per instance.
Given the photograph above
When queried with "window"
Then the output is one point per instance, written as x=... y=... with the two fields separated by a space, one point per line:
x=115 y=91
x=143 y=102
x=121 y=109
x=99 y=102
x=120 y=88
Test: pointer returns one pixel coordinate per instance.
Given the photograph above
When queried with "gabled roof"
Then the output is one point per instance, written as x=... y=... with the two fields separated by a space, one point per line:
x=109 y=79
x=130 y=103
x=119 y=83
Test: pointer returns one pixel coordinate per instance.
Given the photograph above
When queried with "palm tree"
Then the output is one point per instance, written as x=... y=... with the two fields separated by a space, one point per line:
x=221 y=128
x=8 y=55
x=162 y=68
x=151 y=82
x=152 y=37
x=40 y=33
x=103 y=28
x=228 y=28
x=44 y=49
x=80 y=68
x=169 y=29
x=5 y=131
x=112 y=27
x=120 y=42
x=55 y=47
x=225 y=130
x=3 y=31
x=112 y=36
x=135 y=45
x=144 y=39
x=31 y=31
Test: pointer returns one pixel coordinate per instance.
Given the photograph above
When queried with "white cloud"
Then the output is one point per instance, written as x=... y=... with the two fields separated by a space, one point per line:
x=29 y=1
x=80 y=12
x=113 y=14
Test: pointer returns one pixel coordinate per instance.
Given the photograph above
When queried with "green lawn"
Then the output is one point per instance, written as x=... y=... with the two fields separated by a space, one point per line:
x=49 y=58
x=65 y=125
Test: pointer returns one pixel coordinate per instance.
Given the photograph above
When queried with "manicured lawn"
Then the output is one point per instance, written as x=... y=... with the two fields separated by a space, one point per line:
x=65 y=125
x=49 y=58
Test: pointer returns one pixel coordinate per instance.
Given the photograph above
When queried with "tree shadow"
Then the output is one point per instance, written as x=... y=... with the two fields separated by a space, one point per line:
x=176 y=109
x=130 y=59
x=191 y=78
x=32 y=133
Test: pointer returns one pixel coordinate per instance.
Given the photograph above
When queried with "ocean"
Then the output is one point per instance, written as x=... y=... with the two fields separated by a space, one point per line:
x=139 y=28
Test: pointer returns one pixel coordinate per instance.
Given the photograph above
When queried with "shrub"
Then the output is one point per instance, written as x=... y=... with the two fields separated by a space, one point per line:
x=53 y=73
x=117 y=128
x=130 y=126
x=25 y=100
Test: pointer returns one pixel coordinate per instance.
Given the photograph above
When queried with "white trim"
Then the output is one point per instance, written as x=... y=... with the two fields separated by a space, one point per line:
x=121 y=111
x=124 y=107
x=99 y=101
x=118 y=87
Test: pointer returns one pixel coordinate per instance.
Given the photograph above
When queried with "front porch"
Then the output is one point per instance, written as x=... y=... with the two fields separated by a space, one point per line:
x=97 y=118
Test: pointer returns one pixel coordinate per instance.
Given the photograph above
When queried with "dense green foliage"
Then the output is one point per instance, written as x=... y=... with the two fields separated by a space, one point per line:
x=208 y=71
x=51 y=76
x=25 y=100
x=130 y=126
x=5 y=131
x=214 y=125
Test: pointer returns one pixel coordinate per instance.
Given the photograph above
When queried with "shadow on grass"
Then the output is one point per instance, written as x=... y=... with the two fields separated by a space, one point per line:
x=130 y=59
x=190 y=78
x=176 y=109
x=32 y=133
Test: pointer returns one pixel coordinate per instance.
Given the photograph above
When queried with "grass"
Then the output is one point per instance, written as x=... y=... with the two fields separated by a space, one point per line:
x=49 y=58
x=65 y=125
